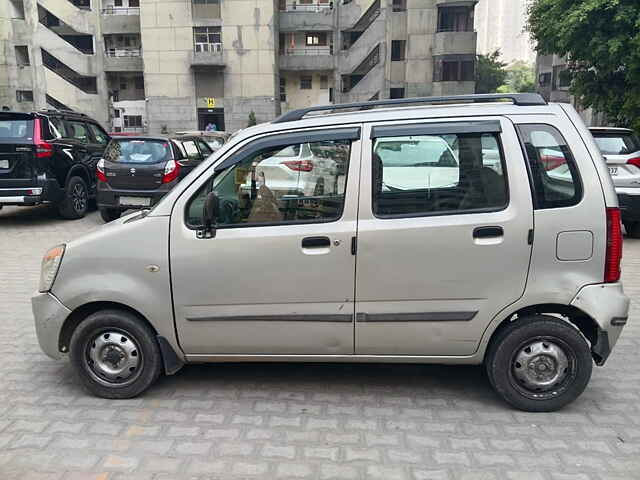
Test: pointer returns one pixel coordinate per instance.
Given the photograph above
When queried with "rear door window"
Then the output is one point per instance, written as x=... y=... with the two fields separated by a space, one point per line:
x=98 y=134
x=205 y=149
x=555 y=178
x=137 y=151
x=78 y=130
x=437 y=174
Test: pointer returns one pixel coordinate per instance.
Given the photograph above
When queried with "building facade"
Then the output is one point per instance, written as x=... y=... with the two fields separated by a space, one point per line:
x=501 y=25
x=169 y=65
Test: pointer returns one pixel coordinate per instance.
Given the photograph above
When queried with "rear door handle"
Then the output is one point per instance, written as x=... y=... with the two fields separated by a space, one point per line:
x=316 y=242
x=487 y=232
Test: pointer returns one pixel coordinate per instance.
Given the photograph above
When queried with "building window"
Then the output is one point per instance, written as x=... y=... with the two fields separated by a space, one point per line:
x=399 y=5
x=123 y=83
x=283 y=89
x=134 y=3
x=139 y=83
x=561 y=77
x=458 y=69
x=117 y=3
x=316 y=39
x=396 y=93
x=306 y=82
x=116 y=113
x=24 y=95
x=133 y=121
x=324 y=82
x=206 y=2
x=397 y=50
x=544 y=79
x=22 y=55
x=454 y=19
x=207 y=39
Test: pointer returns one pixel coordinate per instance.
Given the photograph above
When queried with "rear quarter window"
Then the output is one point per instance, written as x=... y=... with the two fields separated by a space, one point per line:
x=554 y=174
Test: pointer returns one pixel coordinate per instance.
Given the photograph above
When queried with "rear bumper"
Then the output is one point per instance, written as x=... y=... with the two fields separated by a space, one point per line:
x=629 y=201
x=40 y=192
x=109 y=197
x=607 y=304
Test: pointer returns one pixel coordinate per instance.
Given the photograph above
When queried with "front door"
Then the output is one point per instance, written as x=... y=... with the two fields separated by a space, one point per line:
x=443 y=234
x=278 y=276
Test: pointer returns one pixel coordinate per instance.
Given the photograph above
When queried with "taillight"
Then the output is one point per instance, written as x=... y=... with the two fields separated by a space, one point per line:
x=634 y=161
x=43 y=149
x=299 y=165
x=100 y=175
x=614 y=246
x=171 y=171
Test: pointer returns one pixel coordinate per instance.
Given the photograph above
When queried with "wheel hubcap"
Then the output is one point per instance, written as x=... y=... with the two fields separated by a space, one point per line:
x=540 y=366
x=79 y=197
x=113 y=356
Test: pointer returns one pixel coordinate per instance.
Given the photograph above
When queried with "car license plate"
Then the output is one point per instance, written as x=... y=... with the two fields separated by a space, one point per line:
x=4 y=163
x=613 y=171
x=135 y=201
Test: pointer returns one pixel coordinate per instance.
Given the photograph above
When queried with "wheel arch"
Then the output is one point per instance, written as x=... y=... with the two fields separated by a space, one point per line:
x=583 y=322
x=78 y=171
x=172 y=363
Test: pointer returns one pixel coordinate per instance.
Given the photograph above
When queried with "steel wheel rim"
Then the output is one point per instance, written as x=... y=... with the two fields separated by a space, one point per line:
x=113 y=357
x=79 y=197
x=543 y=367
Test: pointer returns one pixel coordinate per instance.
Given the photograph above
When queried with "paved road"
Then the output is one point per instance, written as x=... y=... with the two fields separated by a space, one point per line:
x=294 y=421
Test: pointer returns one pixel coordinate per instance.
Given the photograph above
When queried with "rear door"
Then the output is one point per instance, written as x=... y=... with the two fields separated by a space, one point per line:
x=17 y=151
x=443 y=234
x=136 y=164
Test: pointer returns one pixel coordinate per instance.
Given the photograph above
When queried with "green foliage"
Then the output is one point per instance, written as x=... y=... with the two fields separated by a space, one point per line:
x=521 y=77
x=602 y=41
x=252 y=119
x=490 y=73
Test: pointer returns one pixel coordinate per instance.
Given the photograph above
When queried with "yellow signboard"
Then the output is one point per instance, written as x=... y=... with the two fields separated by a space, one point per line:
x=211 y=102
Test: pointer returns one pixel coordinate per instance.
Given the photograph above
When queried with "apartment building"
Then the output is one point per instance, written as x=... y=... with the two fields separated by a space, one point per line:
x=169 y=65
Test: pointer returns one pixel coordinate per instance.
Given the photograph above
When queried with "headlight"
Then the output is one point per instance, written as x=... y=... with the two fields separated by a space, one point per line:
x=50 y=265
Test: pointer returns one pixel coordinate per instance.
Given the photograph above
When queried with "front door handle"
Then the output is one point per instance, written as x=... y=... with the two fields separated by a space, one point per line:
x=316 y=242
x=487 y=232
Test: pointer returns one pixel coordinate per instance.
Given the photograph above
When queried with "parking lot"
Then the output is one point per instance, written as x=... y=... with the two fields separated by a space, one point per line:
x=294 y=420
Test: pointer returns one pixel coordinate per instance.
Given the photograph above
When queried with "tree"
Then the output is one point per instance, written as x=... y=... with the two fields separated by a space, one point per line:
x=490 y=73
x=521 y=77
x=252 y=119
x=601 y=39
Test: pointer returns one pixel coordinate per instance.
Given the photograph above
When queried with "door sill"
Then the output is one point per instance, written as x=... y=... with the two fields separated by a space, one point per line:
x=230 y=358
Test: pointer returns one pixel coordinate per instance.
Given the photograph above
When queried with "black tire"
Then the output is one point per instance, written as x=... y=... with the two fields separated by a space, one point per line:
x=76 y=199
x=115 y=354
x=110 y=214
x=551 y=374
x=633 y=229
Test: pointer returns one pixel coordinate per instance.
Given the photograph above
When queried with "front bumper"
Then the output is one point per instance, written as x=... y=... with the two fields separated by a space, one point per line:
x=49 y=316
x=607 y=304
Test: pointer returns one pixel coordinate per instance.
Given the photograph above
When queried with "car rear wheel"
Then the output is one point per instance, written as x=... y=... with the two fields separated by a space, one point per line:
x=539 y=363
x=633 y=229
x=115 y=354
x=110 y=214
x=76 y=199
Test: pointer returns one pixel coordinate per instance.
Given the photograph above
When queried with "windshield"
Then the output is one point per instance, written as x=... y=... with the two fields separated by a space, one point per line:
x=16 y=129
x=617 y=144
x=137 y=151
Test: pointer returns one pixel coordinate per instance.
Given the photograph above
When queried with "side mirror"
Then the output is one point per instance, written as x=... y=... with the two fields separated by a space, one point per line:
x=210 y=212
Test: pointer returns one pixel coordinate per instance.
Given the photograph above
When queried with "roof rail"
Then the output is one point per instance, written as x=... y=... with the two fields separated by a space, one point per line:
x=63 y=110
x=520 y=99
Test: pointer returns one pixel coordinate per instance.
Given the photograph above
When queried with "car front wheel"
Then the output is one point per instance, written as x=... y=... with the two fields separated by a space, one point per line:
x=539 y=363
x=115 y=354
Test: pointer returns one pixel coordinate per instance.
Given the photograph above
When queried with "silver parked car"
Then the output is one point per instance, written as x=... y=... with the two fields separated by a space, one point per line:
x=621 y=150
x=449 y=238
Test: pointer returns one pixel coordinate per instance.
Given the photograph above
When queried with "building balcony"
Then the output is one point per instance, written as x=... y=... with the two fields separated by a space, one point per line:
x=120 y=20
x=306 y=58
x=207 y=55
x=447 y=42
x=123 y=60
x=295 y=16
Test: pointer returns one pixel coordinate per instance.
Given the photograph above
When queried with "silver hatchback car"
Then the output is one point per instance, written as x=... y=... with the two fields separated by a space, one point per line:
x=474 y=232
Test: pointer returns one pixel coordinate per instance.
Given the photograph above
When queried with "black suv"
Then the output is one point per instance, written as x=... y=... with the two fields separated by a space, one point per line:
x=50 y=157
